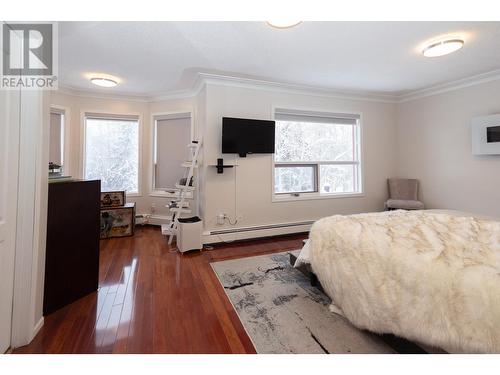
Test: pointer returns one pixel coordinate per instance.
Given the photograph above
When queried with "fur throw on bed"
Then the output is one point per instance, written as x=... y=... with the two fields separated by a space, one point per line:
x=429 y=277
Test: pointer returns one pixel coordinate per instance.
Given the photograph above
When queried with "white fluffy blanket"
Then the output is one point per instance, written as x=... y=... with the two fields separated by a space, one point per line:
x=429 y=277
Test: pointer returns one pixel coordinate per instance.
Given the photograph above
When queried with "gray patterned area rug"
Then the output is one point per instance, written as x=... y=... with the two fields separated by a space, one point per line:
x=283 y=313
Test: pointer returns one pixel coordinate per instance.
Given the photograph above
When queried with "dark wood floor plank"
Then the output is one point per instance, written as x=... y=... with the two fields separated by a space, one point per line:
x=152 y=299
x=127 y=310
x=215 y=297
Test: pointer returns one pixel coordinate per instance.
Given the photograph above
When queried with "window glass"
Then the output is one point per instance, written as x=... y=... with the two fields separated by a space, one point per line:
x=302 y=141
x=112 y=153
x=291 y=179
x=317 y=156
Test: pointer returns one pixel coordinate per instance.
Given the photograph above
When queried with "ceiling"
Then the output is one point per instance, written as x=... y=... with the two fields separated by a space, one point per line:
x=155 y=58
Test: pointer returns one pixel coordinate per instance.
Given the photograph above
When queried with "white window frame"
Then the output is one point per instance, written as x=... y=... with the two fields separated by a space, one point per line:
x=153 y=192
x=61 y=112
x=66 y=112
x=317 y=194
x=115 y=116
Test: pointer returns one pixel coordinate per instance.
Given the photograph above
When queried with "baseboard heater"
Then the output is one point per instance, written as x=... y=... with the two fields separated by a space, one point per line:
x=262 y=227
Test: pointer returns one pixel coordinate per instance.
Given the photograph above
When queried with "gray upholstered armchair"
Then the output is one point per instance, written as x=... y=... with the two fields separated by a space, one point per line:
x=403 y=194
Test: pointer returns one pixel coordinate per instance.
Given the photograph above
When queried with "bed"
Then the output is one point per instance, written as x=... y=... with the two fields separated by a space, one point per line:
x=429 y=276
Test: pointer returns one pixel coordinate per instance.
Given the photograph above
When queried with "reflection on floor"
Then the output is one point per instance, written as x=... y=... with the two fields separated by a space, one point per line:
x=154 y=300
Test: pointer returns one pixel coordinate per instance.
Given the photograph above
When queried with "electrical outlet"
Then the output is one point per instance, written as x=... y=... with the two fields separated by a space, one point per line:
x=153 y=208
x=221 y=218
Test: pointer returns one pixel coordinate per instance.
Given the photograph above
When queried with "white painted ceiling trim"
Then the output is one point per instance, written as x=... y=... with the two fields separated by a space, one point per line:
x=173 y=95
x=478 y=79
x=67 y=90
x=233 y=81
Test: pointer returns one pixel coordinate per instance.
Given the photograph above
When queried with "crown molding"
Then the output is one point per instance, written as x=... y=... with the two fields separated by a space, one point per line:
x=172 y=95
x=477 y=79
x=181 y=94
x=204 y=79
x=290 y=88
x=234 y=81
x=68 y=90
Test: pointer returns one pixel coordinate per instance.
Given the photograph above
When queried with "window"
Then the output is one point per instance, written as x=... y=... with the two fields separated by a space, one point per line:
x=316 y=153
x=172 y=133
x=56 y=137
x=112 y=152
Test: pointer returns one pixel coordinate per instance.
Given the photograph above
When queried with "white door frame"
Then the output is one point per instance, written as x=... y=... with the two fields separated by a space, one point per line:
x=29 y=273
x=9 y=142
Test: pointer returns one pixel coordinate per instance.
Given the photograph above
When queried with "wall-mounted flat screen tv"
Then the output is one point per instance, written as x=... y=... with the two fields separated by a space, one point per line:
x=247 y=136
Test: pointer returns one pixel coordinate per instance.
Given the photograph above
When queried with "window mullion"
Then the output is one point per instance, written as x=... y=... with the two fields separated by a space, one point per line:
x=318 y=178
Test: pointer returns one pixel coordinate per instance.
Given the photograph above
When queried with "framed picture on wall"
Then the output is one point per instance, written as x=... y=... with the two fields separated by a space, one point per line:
x=118 y=221
x=113 y=198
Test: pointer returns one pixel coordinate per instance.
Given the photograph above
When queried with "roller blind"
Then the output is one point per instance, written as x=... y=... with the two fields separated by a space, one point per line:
x=172 y=134
x=174 y=116
x=104 y=116
x=56 y=138
x=282 y=114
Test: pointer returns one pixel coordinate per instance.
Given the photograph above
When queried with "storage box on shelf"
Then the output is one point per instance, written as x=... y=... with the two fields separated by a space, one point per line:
x=117 y=217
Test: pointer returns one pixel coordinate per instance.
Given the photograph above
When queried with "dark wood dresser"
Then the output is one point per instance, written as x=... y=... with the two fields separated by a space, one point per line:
x=73 y=228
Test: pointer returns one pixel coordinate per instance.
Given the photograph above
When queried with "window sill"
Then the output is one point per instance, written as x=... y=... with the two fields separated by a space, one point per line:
x=313 y=196
x=133 y=195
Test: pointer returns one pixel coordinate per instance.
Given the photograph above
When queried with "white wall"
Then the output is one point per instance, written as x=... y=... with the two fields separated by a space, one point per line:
x=253 y=183
x=434 y=145
x=200 y=128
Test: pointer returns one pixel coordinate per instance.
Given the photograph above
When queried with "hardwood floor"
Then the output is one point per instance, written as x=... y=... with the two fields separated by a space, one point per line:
x=154 y=300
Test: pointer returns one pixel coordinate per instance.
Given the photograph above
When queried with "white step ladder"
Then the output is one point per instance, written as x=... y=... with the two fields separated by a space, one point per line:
x=179 y=206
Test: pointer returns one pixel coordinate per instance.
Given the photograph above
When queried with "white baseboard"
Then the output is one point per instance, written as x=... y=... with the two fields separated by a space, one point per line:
x=38 y=326
x=27 y=340
x=159 y=219
x=236 y=234
x=241 y=233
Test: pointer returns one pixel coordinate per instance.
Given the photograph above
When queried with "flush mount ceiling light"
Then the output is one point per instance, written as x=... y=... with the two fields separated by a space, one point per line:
x=103 y=82
x=443 y=47
x=283 y=24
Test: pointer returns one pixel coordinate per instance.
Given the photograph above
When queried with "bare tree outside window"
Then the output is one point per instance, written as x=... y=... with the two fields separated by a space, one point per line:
x=316 y=157
x=112 y=153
